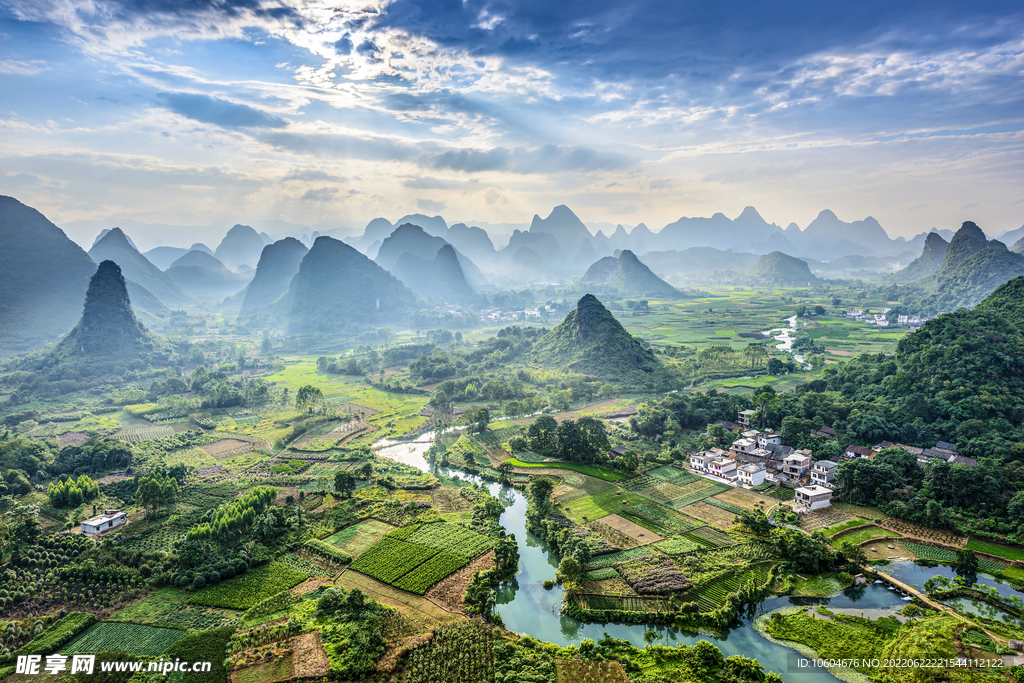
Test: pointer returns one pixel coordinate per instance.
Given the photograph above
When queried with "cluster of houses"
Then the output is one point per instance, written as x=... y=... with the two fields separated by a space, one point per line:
x=882 y=319
x=759 y=457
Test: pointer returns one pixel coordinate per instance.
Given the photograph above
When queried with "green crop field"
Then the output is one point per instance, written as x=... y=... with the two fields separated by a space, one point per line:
x=242 y=592
x=601 y=504
x=608 y=560
x=143 y=641
x=451 y=538
x=723 y=506
x=601 y=574
x=430 y=572
x=389 y=559
x=698 y=493
x=930 y=553
x=1004 y=551
x=861 y=535
x=677 y=545
x=711 y=596
x=301 y=564
x=169 y=607
x=590 y=470
x=358 y=537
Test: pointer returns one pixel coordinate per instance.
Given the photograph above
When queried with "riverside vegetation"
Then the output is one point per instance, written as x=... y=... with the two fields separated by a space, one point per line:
x=268 y=529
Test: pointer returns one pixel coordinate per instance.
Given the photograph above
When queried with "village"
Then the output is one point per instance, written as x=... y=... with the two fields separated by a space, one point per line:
x=758 y=460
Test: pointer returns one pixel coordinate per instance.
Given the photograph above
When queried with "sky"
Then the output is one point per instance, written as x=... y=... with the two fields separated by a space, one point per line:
x=320 y=112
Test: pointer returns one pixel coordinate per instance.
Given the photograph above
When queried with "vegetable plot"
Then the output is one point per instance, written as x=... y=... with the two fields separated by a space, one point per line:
x=390 y=559
x=430 y=572
x=451 y=538
x=144 y=641
x=244 y=591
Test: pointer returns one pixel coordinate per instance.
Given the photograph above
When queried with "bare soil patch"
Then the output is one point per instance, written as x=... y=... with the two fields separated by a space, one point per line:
x=637 y=533
x=226 y=448
x=748 y=500
x=449 y=592
x=422 y=611
x=445 y=500
x=836 y=352
x=822 y=519
x=710 y=514
x=308 y=586
x=616 y=586
x=308 y=655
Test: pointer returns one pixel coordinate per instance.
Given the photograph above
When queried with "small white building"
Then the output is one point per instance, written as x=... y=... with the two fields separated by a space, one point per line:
x=751 y=474
x=743 y=446
x=765 y=438
x=813 y=497
x=722 y=467
x=743 y=419
x=699 y=461
x=108 y=520
x=823 y=473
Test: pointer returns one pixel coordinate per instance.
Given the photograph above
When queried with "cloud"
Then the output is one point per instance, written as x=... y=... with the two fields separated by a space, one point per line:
x=310 y=174
x=544 y=159
x=321 y=194
x=430 y=205
x=427 y=183
x=12 y=66
x=206 y=109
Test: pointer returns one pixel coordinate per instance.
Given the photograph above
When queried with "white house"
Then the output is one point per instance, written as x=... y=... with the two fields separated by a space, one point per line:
x=824 y=473
x=108 y=520
x=765 y=438
x=796 y=464
x=854 y=313
x=699 y=461
x=723 y=467
x=751 y=474
x=813 y=497
x=743 y=445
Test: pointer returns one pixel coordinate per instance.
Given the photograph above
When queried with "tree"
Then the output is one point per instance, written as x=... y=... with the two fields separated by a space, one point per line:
x=505 y=472
x=543 y=436
x=366 y=471
x=801 y=310
x=477 y=419
x=756 y=521
x=819 y=310
x=966 y=563
x=309 y=397
x=345 y=484
x=854 y=554
x=156 y=490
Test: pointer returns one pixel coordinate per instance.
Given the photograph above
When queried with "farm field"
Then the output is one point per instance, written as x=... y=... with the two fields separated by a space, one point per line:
x=742 y=498
x=858 y=536
x=169 y=607
x=242 y=592
x=601 y=504
x=1003 y=551
x=640 y=535
x=389 y=559
x=450 y=538
x=420 y=610
x=358 y=537
x=716 y=516
x=144 y=641
x=930 y=553
x=589 y=470
x=573 y=670
x=575 y=486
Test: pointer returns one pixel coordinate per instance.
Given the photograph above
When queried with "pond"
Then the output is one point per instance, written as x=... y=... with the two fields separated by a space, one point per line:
x=526 y=607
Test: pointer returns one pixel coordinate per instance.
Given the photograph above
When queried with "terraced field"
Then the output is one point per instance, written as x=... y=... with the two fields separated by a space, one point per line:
x=709 y=538
x=712 y=595
x=930 y=553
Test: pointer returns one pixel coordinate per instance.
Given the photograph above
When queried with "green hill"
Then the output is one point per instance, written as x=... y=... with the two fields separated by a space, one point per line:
x=43 y=278
x=115 y=246
x=930 y=260
x=591 y=341
x=440 y=278
x=972 y=268
x=109 y=337
x=777 y=268
x=278 y=264
x=338 y=288
x=1018 y=246
x=626 y=276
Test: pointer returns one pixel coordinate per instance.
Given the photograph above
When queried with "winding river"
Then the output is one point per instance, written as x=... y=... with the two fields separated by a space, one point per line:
x=526 y=607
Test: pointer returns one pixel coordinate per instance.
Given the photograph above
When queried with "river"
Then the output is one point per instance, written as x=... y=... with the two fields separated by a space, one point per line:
x=526 y=607
x=786 y=338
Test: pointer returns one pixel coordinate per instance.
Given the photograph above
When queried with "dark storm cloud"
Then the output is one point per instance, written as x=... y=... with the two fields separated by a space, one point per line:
x=222 y=113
